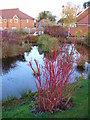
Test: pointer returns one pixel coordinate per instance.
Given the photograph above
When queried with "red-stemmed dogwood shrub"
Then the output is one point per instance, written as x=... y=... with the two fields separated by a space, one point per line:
x=53 y=79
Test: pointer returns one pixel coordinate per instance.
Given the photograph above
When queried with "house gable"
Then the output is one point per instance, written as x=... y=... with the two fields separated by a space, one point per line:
x=10 y=13
x=83 y=14
x=15 y=17
x=83 y=23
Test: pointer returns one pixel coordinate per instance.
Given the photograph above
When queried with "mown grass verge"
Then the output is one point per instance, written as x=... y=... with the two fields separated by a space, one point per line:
x=23 y=107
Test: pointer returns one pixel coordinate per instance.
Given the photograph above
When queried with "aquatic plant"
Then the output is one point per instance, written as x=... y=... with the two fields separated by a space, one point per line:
x=47 y=43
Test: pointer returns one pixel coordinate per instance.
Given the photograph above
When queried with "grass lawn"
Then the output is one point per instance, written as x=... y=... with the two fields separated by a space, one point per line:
x=79 y=110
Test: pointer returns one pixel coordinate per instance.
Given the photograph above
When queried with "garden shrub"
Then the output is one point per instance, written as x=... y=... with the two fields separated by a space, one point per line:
x=78 y=34
x=32 y=31
x=19 y=32
x=88 y=34
x=53 y=79
x=47 y=43
x=31 y=39
x=83 y=59
x=13 y=44
x=56 y=31
x=88 y=37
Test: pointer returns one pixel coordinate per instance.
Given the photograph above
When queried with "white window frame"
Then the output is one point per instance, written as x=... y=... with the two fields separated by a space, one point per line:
x=0 y=19
x=16 y=19
x=5 y=20
x=10 y=20
x=14 y=28
x=27 y=20
x=5 y=27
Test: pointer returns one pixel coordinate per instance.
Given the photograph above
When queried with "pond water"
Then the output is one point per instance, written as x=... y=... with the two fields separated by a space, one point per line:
x=17 y=76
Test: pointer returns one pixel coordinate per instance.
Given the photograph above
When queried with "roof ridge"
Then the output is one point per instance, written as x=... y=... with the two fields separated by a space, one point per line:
x=26 y=14
x=83 y=11
x=9 y=13
x=10 y=9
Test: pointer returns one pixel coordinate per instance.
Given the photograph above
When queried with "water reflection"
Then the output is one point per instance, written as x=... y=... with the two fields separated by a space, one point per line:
x=19 y=79
x=10 y=63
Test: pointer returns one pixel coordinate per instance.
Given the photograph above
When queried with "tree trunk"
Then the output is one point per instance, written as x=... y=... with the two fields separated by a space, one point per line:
x=68 y=30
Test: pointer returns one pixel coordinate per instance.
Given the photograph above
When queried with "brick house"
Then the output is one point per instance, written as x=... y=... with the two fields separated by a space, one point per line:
x=82 y=23
x=42 y=24
x=15 y=19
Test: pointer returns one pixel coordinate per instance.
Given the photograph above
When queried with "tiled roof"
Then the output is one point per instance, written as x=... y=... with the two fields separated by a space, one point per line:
x=85 y=20
x=83 y=14
x=45 y=22
x=10 y=13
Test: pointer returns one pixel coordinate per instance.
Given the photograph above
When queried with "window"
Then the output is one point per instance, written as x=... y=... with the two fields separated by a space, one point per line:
x=13 y=28
x=27 y=20
x=0 y=20
x=5 y=27
x=5 y=20
x=76 y=25
x=16 y=20
x=10 y=20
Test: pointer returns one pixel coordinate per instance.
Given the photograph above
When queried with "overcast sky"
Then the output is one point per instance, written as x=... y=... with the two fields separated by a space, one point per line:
x=34 y=7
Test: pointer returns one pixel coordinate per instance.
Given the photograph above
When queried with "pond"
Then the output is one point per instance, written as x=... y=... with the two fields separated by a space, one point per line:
x=17 y=76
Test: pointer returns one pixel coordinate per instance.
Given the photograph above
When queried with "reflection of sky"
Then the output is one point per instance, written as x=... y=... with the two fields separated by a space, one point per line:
x=75 y=53
x=34 y=54
x=20 y=78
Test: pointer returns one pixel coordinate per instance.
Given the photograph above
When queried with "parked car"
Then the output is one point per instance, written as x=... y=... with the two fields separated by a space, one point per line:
x=36 y=33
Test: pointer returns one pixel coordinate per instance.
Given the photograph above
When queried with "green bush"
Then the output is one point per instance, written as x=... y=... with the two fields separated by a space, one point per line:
x=78 y=34
x=10 y=50
x=31 y=39
x=47 y=43
x=88 y=34
x=20 y=32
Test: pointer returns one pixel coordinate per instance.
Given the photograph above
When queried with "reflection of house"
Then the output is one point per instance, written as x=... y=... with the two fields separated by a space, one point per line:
x=82 y=23
x=15 y=19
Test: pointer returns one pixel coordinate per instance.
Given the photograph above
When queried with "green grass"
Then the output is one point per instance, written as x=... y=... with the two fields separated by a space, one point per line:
x=80 y=109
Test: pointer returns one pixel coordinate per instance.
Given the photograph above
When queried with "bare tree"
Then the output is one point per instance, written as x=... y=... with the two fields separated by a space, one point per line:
x=69 y=15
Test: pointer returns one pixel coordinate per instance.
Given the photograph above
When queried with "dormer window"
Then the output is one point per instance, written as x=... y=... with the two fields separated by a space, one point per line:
x=27 y=20
x=16 y=21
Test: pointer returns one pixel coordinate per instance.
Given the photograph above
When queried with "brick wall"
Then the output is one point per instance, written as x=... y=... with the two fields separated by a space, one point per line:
x=85 y=20
x=21 y=23
x=84 y=29
x=30 y=23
